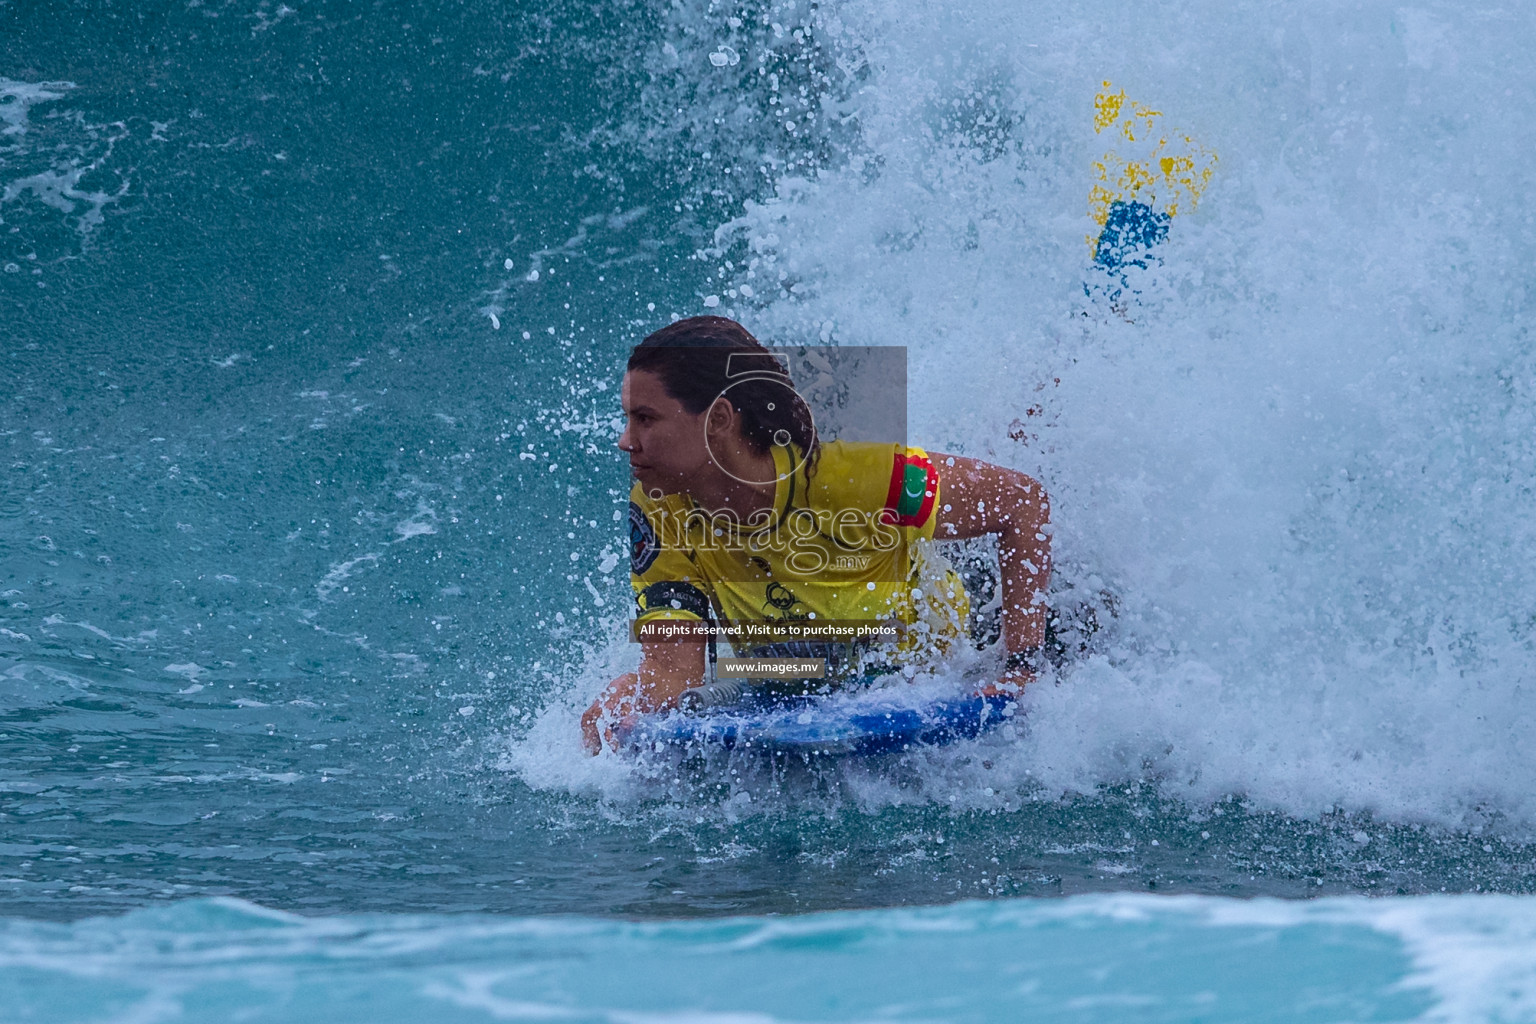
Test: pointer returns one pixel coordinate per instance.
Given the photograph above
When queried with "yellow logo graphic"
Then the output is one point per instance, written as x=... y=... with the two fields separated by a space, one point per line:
x=1161 y=172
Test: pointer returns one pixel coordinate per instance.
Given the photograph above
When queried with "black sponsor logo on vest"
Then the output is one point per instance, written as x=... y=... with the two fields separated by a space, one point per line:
x=780 y=597
x=781 y=605
x=673 y=594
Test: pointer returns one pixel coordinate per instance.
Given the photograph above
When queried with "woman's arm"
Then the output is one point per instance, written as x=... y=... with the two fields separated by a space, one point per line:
x=667 y=668
x=977 y=498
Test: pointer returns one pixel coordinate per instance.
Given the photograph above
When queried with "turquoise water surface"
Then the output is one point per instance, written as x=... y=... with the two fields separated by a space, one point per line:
x=311 y=323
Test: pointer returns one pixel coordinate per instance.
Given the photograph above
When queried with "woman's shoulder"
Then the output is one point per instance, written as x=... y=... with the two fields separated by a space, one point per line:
x=861 y=472
x=664 y=502
x=867 y=457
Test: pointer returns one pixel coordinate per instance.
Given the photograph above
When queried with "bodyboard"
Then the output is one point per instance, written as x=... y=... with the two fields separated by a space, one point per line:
x=823 y=725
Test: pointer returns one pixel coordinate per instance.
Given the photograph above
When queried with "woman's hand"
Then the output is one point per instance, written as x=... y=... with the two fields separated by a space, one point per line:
x=616 y=700
x=1009 y=684
x=667 y=668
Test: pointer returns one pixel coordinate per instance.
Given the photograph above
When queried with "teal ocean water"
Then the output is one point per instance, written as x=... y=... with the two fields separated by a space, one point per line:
x=1109 y=958
x=311 y=323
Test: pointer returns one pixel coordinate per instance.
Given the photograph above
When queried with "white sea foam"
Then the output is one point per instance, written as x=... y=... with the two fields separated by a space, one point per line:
x=1477 y=955
x=16 y=98
x=63 y=172
x=1301 y=457
x=340 y=572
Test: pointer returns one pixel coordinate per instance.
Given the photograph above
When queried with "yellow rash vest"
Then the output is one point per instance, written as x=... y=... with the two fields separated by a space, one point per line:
x=847 y=541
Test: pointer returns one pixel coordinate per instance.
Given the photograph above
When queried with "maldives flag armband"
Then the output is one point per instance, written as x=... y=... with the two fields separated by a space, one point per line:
x=914 y=483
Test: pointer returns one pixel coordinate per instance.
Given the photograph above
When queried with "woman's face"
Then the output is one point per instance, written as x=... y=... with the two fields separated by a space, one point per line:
x=665 y=442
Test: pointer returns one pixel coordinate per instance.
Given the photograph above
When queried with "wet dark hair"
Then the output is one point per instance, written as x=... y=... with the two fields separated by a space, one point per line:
x=704 y=357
